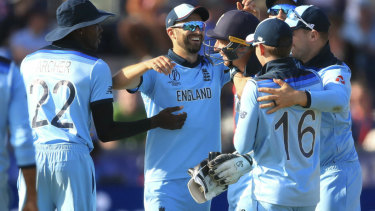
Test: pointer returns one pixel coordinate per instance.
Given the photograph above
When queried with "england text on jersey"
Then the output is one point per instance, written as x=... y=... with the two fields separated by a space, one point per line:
x=191 y=95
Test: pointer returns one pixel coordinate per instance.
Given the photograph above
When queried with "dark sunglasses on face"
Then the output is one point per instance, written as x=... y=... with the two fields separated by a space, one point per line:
x=191 y=26
x=285 y=8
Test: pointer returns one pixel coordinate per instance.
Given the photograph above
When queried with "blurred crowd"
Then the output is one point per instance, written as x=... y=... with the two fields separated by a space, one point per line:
x=138 y=33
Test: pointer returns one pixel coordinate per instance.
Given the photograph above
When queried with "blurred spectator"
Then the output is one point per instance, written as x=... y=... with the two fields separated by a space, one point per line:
x=361 y=110
x=359 y=33
x=31 y=37
x=142 y=31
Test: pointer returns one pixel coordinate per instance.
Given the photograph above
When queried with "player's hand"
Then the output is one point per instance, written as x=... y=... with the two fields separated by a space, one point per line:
x=30 y=205
x=227 y=169
x=249 y=6
x=285 y=96
x=166 y=120
x=160 y=64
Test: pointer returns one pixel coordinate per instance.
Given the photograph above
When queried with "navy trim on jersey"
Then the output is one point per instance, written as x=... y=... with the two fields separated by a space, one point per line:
x=27 y=166
x=101 y=101
x=4 y=64
x=323 y=59
x=63 y=50
x=283 y=68
x=181 y=61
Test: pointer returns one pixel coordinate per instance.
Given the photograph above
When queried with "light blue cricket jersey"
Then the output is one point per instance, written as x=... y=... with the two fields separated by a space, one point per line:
x=285 y=143
x=13 y=118
x=60 y=85
x=170 y=153
x=337 y=144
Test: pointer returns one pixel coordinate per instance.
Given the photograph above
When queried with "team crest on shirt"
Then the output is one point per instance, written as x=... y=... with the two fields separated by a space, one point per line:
x=175 y=77
x=243 y=114
x=206 y=75
x=109 y=90
x=340 y=79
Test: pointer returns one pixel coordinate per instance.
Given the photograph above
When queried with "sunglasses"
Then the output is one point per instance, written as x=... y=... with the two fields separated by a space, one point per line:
x=191 y=26
x=295 y=17
x=285 y=8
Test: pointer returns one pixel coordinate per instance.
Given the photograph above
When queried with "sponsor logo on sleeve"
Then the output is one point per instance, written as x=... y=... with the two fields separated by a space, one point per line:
x=340 y=79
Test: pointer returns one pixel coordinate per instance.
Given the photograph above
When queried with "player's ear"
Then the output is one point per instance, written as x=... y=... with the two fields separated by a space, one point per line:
x=262 y=49
x=314 y=35
x=171 y=33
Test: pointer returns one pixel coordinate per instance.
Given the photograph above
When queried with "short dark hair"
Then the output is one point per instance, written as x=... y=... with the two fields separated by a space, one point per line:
x=283 y=50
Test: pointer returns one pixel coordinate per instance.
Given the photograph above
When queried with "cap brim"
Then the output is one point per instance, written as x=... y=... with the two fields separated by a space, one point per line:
x=61 y=32
x=250 y=39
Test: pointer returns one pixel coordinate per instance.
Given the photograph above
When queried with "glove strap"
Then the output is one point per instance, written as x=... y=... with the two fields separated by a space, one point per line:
x=248 y=158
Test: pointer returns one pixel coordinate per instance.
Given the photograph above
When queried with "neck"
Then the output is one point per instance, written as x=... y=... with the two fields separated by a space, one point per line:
x=190 y=57
x=314 y=50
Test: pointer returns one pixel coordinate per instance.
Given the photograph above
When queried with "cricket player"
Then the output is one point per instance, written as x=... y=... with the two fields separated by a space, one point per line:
x=66 y=83
x=184 y=78
x=14 y=121
x=340 y=176
x=286 y=143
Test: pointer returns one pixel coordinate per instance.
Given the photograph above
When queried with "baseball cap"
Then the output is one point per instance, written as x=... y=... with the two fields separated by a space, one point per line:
x=270 y=3
x=235 y=23
x=308 y=17
x=269 y=32
x=75 y=14
x=183 y=11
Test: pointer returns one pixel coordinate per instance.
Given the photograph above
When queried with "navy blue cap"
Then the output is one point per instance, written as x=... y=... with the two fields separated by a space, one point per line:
x=270 y=3
x=182 y=12
x=235 y=23
x=311 y=15
x=75 y=14
x=269 y=32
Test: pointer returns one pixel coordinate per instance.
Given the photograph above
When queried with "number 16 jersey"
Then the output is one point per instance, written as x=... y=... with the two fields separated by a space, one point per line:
x=61 y=84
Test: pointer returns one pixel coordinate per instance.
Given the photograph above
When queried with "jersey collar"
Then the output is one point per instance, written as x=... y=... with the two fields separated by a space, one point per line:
x=66 y=44
x=181 y=61
x=278 y=65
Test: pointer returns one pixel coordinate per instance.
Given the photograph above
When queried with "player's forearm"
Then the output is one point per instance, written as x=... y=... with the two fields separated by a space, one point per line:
x=29 y=174
x=109 y=130
x=129 y=77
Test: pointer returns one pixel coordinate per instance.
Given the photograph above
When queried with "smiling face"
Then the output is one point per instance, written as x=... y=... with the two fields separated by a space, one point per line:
x=188 y=40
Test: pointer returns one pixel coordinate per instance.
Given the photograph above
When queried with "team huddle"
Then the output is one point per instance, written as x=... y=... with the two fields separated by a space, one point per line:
x=293 y=141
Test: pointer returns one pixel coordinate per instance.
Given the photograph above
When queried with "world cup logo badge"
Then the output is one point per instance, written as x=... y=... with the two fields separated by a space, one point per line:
x=175 y=77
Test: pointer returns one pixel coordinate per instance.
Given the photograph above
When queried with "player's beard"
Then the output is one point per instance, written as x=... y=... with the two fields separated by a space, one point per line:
x=192 y=47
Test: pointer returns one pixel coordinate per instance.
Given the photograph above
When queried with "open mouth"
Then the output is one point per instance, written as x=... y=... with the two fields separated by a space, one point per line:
x=196 y=39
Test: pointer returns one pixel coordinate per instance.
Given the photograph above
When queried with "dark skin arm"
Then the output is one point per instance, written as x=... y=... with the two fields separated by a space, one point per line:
x=29 y=174
x=109 y=130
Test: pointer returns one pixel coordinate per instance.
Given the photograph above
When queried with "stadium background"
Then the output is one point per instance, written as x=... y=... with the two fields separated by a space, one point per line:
x=138 y=33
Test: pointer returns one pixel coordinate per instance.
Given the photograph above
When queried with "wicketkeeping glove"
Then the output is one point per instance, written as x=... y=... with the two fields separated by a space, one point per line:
x=227 y=169
x=201 y=187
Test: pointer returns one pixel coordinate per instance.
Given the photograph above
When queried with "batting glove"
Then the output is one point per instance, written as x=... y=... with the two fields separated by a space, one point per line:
x=201 y=186
x=227 y=169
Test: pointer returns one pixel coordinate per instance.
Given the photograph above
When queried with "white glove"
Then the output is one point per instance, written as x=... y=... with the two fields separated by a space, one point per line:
x=201 y=187
x=227 y=169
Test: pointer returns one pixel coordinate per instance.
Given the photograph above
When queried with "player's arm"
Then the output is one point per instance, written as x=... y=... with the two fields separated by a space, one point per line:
x=109 y=130
x=239 y=81
x=334 y=98
x=129 y=77
x=244 y=135
x=21 y=137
